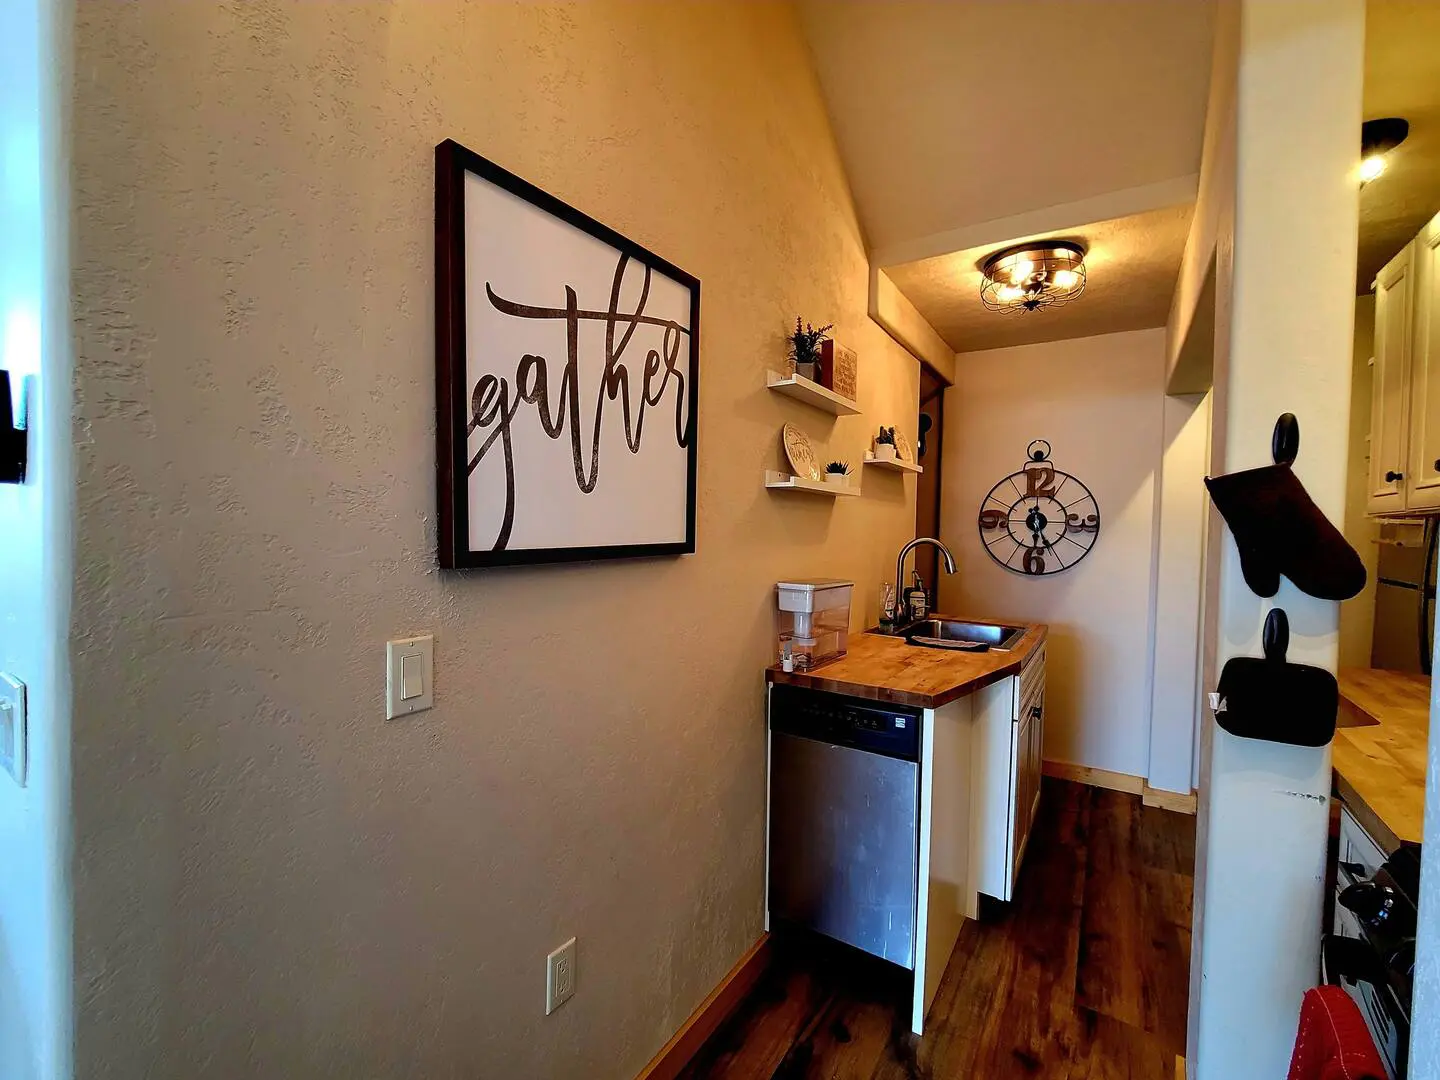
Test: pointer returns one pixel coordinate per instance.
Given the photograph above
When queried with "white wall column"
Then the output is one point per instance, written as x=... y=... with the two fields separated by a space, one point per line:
x=1283 y=345
x=1181 y=507
x=36 y=544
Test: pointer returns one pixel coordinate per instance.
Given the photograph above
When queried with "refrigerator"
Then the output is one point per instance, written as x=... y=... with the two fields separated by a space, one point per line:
x=1405 y=604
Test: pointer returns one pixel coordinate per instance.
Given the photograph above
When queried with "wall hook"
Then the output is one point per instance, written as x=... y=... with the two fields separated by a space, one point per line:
x=1285 y=442
x=14 y=445
x=1276 y=635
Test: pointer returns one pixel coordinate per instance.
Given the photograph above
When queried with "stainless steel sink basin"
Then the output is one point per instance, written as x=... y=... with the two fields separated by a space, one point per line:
x=941 y=633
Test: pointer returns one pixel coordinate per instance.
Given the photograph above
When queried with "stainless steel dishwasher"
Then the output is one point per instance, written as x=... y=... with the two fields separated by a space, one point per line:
x=844 y=831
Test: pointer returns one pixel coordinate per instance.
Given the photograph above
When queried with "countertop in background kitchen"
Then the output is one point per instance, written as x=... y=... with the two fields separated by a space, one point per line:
x=1380 y=766
x=890 y=669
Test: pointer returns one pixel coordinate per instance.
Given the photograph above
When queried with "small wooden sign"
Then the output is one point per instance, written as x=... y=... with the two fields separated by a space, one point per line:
x=838 y=368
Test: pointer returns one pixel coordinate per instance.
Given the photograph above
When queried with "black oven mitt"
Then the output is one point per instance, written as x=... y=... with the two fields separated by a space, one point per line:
x=1279 y=530
x=1274 y=699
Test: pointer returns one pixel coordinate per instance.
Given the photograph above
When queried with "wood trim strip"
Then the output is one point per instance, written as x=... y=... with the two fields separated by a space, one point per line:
x=1101 y=778
x=713 y=1011
x=1178 y=801
x=1117 y=781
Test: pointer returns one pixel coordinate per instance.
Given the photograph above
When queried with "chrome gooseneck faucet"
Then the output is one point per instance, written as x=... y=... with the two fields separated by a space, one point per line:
x=900 y=563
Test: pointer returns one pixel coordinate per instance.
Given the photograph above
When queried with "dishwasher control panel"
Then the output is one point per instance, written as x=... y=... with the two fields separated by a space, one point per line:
x=873 y=726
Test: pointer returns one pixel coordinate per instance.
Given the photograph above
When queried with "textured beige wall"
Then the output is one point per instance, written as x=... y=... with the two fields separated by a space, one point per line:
x=1100 y=402
x=271 y=880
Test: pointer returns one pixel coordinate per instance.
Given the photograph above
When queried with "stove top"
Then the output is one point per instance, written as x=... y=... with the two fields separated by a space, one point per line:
x=1386 y=906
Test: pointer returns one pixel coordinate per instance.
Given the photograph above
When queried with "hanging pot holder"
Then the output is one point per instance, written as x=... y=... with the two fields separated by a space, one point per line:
x=1275 y=700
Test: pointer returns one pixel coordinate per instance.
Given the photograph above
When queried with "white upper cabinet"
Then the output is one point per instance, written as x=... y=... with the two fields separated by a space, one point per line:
x=1422 y=471
x=1405 y=408
x=1390 y=386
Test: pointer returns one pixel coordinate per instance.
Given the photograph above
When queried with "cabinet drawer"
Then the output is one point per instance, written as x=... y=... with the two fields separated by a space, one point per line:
x=1357 y=847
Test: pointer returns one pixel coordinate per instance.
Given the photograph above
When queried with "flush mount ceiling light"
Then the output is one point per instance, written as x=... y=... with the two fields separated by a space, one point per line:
x=1032 y=276
x=1378 y=138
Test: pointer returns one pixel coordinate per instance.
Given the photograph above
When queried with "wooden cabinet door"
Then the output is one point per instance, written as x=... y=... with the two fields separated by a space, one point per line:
x=1389 y=413
x=1422 y=474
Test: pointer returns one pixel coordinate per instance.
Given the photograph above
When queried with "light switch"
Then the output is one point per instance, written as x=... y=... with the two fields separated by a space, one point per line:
x=412 y=682
x=12 y=727
x=409 y=675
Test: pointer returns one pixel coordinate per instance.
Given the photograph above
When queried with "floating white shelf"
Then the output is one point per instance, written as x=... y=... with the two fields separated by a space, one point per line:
x=811 y=393
x=779 y=481
x=895 y=466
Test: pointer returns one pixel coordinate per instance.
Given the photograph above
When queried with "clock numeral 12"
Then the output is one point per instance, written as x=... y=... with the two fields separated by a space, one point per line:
x=1040 y=481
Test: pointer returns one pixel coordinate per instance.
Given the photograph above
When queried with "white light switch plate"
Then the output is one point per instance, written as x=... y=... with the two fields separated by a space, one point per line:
x=409 y=675
x=12 y=727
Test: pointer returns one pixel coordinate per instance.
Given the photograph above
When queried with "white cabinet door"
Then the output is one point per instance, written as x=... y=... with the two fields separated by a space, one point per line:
x=1029 y=735
x=994 y=787
x=1389 y=413
x=1037 y=754
x=1422 y=474
x=1023 y=797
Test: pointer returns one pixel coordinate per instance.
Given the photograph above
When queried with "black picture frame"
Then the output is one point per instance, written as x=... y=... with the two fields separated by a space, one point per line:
x=453 y=398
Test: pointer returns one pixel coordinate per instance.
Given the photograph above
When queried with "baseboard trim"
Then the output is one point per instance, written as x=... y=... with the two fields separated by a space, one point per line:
x=713 y=1011
x=1118 y=781
x=1168 y=800
x=1103 y=778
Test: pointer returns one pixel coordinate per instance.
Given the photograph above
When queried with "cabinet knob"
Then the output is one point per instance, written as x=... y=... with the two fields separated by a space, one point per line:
x=1437 y=464
x=1035 y=711
x=1392 y=476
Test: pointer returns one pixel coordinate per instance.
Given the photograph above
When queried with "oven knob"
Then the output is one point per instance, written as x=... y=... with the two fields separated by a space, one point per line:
x=1370 y=900
x=1402 y=960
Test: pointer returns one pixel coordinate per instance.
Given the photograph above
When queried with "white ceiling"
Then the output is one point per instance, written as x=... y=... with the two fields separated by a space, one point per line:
x=953 y=114
x=1402 y=78
x=1131 y=267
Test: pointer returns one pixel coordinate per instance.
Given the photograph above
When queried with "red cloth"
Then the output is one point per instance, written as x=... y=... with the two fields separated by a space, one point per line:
x=1333 y=1042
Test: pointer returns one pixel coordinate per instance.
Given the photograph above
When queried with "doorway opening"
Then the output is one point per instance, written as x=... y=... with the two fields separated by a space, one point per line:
x=929 y=455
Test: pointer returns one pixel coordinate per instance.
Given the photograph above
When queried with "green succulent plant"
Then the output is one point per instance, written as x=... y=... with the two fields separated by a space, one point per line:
x=805 y=341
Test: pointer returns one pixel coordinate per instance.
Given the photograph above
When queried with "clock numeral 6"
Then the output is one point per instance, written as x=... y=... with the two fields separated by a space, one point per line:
x=1035 y=561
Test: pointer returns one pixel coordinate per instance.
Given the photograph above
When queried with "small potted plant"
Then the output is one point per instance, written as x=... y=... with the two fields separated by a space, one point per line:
x=805 y=347
x=885 y=444
x=838 y=473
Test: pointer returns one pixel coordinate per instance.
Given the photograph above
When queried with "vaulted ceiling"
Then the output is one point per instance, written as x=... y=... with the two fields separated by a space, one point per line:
x=953 y=114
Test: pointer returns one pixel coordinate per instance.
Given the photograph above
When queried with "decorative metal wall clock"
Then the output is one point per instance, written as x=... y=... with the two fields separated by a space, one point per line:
x=1039 y=520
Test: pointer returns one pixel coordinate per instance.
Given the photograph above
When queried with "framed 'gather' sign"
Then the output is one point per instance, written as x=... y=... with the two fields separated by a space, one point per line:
x=567 y=359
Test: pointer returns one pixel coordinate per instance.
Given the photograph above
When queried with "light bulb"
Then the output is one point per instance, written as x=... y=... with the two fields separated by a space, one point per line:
x=1009 y=294
x=1066 y=279
x=1021 y=271
x=1371 y=167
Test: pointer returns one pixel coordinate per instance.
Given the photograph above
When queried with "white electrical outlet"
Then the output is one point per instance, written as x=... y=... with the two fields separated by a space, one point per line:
x=12 y=727
x=559 y=976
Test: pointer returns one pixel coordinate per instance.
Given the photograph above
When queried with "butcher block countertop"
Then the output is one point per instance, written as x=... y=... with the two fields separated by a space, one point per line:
x=890 y=669
x=1380 y=751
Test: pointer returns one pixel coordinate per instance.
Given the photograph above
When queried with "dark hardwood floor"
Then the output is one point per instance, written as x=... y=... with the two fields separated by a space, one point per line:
x=1084 y=977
